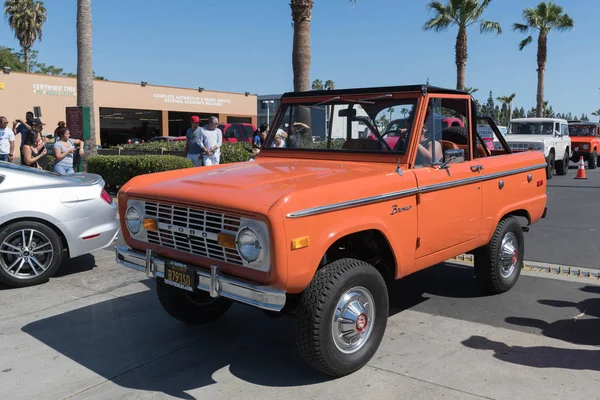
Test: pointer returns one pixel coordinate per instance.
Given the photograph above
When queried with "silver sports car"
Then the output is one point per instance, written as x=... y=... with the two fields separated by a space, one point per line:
x=45 y=217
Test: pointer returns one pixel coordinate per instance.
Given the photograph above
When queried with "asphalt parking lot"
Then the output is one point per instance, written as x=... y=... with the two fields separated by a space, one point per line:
x=96 y=331
x=570 y=232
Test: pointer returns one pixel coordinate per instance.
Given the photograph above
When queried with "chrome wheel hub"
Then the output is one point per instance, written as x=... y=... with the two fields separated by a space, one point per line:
x=353 y=320
x=509 y=256
x=26 y=253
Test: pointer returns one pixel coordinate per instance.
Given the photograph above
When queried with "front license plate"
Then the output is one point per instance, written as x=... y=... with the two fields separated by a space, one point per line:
x=180 y=277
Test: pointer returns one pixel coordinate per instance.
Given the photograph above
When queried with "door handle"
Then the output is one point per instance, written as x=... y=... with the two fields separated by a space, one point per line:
x=476 y=168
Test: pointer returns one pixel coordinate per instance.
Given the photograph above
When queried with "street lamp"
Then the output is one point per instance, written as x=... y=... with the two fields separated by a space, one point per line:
x=267 y=102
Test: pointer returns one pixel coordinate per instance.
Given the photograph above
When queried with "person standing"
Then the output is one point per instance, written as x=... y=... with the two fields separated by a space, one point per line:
x=7 y=141
x=64 y=147
x=33 y=153
x=193 y=145
x=212 y=139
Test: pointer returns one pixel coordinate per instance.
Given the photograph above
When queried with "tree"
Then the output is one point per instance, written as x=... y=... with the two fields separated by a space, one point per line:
x=317 y=84
x=329 y=84
x=547 y=111
x=85 y=73
x=584 y=118
x=463 y=14
x=391 y=111
x=26 y=18
x=508 y=101
x=471 y=90
x=597 y=113
x=8 y=58
x=545 y=18
x=404 y=112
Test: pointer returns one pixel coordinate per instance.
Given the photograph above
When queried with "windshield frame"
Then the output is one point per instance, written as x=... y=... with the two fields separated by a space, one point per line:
x=353 y=155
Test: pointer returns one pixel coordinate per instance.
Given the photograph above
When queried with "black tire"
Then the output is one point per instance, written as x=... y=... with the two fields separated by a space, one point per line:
x=562 y=167
x=593 y=160
x=317 y=309
x=197 y=308
x=550 y=166
x=489 y=270
x=455 y=134
x=50 y=256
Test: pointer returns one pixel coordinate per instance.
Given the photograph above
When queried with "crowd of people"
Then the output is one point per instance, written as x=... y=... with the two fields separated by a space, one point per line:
x=33 y=148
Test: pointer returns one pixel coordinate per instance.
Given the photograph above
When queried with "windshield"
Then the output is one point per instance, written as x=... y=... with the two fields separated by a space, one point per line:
x=345 y=125
x=582 y=130
x=531 y=128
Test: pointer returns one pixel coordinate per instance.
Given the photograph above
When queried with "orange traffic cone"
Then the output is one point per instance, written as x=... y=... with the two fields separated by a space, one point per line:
x=581 y=169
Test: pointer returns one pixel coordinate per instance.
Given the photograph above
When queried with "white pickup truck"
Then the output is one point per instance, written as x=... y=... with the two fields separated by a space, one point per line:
x=548 y=135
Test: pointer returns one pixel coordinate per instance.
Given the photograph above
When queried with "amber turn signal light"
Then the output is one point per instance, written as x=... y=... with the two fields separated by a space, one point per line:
x=150 y=224
x=226 y=240
x=300 y=243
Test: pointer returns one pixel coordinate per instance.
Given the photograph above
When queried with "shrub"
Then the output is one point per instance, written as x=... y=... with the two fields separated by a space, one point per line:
x=235 y=152
x=117 y=170
x=154 y=146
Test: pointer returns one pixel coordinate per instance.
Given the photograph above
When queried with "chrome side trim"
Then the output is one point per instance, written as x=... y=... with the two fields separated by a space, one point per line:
x=211 y=281
x=404 y=193
x=352 y=203
x=513 y=172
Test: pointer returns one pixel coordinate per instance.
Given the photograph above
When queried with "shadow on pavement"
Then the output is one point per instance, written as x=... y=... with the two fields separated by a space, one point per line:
x=76 y=265
x=583 y=328
x=444 y=280
x=538 y=356
x=134 y=343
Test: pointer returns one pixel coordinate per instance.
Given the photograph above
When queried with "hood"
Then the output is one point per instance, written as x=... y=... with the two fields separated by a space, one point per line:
x=527 y=138
x=255 y=186
x=582 y=139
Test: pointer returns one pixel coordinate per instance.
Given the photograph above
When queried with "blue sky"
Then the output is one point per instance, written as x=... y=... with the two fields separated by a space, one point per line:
x=243 y=45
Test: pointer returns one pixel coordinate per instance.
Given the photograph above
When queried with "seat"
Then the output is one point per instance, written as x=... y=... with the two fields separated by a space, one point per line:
x=480 y=152
x=448 y=145
x=361 y=144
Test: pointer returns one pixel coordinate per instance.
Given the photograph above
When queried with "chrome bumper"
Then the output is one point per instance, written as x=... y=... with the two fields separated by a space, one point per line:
x=211 y=281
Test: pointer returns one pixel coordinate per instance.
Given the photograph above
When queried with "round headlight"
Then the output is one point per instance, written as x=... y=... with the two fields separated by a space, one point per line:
x=586 y=146
x=248 y=245
x=134 y=222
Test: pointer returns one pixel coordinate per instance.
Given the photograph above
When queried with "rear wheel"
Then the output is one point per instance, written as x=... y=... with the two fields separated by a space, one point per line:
x=30 y=253
x=342 y=317
x=192 y=308
x=498 y=264
x=593 y=160
x=550 y=166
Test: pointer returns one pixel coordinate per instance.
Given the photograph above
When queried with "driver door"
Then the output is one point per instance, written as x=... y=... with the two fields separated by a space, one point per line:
x=449 y=204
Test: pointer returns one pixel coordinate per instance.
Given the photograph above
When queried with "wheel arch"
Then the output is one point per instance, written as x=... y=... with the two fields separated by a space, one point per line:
x=370 y=245
x=61 y=235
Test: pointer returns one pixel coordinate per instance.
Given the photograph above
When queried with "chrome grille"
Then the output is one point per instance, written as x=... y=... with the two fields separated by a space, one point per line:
x=197 y=219
x=519 y=146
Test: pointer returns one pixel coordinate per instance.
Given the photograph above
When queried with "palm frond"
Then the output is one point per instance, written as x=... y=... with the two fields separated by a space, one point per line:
x=563 y=23
x=525 y=42
x=521 y=28
x=490 y=26
x=438 y=24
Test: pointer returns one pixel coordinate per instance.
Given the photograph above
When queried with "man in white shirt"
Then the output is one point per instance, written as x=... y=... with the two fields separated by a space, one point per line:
x=7 y=141
x=212 y=139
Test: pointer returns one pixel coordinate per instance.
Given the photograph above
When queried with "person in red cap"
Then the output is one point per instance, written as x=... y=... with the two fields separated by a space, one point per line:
x=193 y=145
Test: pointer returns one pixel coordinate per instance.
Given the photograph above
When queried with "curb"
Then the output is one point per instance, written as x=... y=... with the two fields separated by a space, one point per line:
x=544 y=268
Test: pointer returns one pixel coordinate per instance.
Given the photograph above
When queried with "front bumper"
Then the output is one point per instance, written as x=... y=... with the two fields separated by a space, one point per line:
x=211 y=281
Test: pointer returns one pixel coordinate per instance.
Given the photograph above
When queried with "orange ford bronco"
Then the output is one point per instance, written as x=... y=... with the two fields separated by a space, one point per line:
x=585 y=142
x=318 y=229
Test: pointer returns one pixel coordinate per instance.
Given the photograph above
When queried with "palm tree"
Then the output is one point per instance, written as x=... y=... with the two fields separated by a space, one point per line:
x=391 y=111
x=329 y=84
x=463 y=14
x=471 y=90
x=317 y=84
x=597 y=113
x=85 y=73
x=544 y=18
x=404 y=112
x=508 y=101
x=26 y=18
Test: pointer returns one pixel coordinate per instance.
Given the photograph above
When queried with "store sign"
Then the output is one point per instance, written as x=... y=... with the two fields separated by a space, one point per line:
x=54 y=90
x=191 y=100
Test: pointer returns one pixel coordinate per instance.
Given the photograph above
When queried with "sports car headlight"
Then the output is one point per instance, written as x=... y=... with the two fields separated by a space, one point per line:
x=133 y=219
x=586 y=146
x=248 y=245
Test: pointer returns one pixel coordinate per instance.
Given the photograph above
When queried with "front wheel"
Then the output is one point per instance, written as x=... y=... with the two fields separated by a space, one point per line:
x=192 y=308
x=342 y=317
x=550 y=166
x=562 y=168
x=593 y=160
x=499 y=263
x=30 y=253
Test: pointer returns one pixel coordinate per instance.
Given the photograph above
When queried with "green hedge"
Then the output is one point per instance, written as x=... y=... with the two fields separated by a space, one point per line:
x=118 y=170
x=154 y=146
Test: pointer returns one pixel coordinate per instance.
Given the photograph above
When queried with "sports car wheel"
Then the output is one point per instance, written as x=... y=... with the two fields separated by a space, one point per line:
x=30 y=253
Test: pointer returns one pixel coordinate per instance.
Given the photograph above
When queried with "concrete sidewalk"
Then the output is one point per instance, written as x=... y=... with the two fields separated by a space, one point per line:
x=98 y=332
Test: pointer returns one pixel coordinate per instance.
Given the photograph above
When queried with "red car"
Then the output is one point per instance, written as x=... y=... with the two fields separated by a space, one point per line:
x=237 y=132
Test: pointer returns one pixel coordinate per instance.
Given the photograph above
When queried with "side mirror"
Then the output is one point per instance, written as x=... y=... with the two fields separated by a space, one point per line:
x=452 y=155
